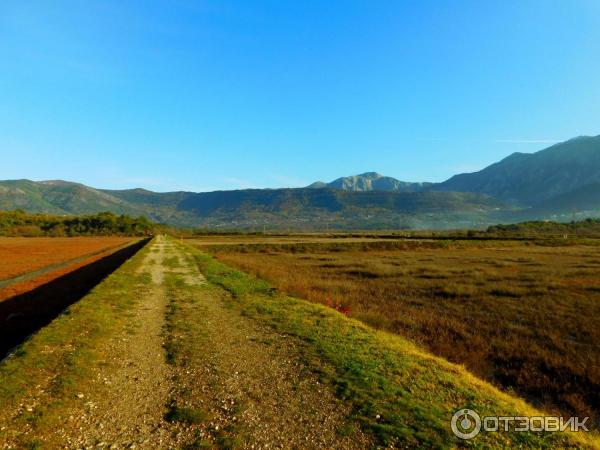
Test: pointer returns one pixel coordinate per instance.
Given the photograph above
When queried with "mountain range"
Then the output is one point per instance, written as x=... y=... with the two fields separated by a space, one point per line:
x=558 y=183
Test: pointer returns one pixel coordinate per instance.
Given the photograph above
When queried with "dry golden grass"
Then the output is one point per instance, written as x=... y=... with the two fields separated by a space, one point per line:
x=525 y=317
x=301 y=238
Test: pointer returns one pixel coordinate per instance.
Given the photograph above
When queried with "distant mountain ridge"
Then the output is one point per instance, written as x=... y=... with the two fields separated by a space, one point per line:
x=555 y=183
x=273 y=208
x=525 y=179
x=371 y=181
x=531 y=178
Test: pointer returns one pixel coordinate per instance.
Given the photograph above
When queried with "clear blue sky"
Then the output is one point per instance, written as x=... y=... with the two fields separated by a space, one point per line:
x=202 y=95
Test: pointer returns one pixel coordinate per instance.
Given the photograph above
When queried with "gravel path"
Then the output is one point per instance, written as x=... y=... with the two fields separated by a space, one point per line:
x=249 y=382
x=253 y=384
x=126 y=405
x=246 y=384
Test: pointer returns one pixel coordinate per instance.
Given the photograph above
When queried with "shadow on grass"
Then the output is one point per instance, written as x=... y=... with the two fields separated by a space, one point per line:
x=24 y=314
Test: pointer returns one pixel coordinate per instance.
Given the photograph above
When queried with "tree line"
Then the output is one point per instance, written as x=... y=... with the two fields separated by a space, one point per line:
x=587 y=227
x=20 y=223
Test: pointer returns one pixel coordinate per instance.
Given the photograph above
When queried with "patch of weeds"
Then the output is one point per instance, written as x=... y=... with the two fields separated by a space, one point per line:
x=172 y=350
x=363 y=274
x=172 y=262
x=239 y=407
x=458 y=291
x=228 y=438
x=199 y=443
x=186 y=414
x=500 y=292
x=146 y=278
x=347 y=429
x=432 y=276
x=36 y=444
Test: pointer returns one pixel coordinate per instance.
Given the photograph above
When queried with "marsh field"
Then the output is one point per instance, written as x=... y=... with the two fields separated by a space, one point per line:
x=523 y=314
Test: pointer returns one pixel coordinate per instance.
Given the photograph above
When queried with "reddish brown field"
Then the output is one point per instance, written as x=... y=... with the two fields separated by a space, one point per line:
x=20 y=256
x=524 y=316
x=39 y=297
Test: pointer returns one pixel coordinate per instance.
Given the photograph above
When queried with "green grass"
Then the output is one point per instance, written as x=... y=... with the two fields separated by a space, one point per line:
x=172 y=262
x=399 y=393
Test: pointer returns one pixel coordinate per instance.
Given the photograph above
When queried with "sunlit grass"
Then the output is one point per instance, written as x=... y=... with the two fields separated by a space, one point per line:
x=399 y=392
x=526 y=317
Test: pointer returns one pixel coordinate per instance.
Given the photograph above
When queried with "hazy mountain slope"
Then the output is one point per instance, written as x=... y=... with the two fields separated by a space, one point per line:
x=255 y=207
x=371 y=181
x=529 y=179
x=60 y=197
x=315 y=208
x=332 y=200
x=148 y=198
x=74 y=198
x=159 y=206
x=580 y=200
x=63 y=197
x=25 y=195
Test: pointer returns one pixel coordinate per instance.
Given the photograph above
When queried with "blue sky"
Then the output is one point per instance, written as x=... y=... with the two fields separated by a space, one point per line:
x=203 y=95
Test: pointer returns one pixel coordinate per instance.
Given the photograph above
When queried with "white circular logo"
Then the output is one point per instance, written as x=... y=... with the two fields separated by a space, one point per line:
x=466 y=424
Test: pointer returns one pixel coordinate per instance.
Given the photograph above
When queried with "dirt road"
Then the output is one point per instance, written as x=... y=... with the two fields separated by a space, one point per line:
x=126 y=403
x=189 y=369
